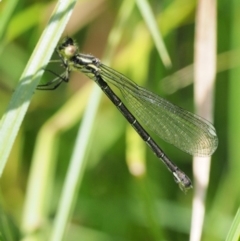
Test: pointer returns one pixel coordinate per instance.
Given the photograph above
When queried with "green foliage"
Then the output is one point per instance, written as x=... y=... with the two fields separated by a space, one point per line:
x=118 y=190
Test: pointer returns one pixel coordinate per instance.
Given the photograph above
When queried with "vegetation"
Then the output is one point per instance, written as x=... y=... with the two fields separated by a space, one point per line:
x=99 y=181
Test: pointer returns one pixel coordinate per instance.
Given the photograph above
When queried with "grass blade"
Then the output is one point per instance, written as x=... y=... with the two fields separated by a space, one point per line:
x=13 y=117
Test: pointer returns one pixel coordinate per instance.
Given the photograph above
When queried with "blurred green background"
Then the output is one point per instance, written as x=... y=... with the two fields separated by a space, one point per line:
x=112 y=202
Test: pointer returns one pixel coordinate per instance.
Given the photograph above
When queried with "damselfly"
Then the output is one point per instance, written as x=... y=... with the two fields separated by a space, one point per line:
x=187 y=131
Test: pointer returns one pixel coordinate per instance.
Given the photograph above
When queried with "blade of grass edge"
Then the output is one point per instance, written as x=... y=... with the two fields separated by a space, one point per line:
x=234 y=232
x=154 y=30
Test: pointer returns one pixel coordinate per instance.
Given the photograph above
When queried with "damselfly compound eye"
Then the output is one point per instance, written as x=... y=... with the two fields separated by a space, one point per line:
x=70 y=50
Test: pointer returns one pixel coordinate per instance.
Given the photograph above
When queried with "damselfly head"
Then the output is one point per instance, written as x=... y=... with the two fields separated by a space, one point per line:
x=67 y=48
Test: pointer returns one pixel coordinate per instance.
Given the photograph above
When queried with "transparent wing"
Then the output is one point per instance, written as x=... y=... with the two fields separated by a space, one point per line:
x=183 y=129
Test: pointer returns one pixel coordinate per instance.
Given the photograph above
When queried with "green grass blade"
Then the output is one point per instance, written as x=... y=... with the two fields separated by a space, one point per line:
x=76 y=168
x=154 y=30
x=234 y=232
x=13 y=117
x=5 y=16
x=36 y=207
